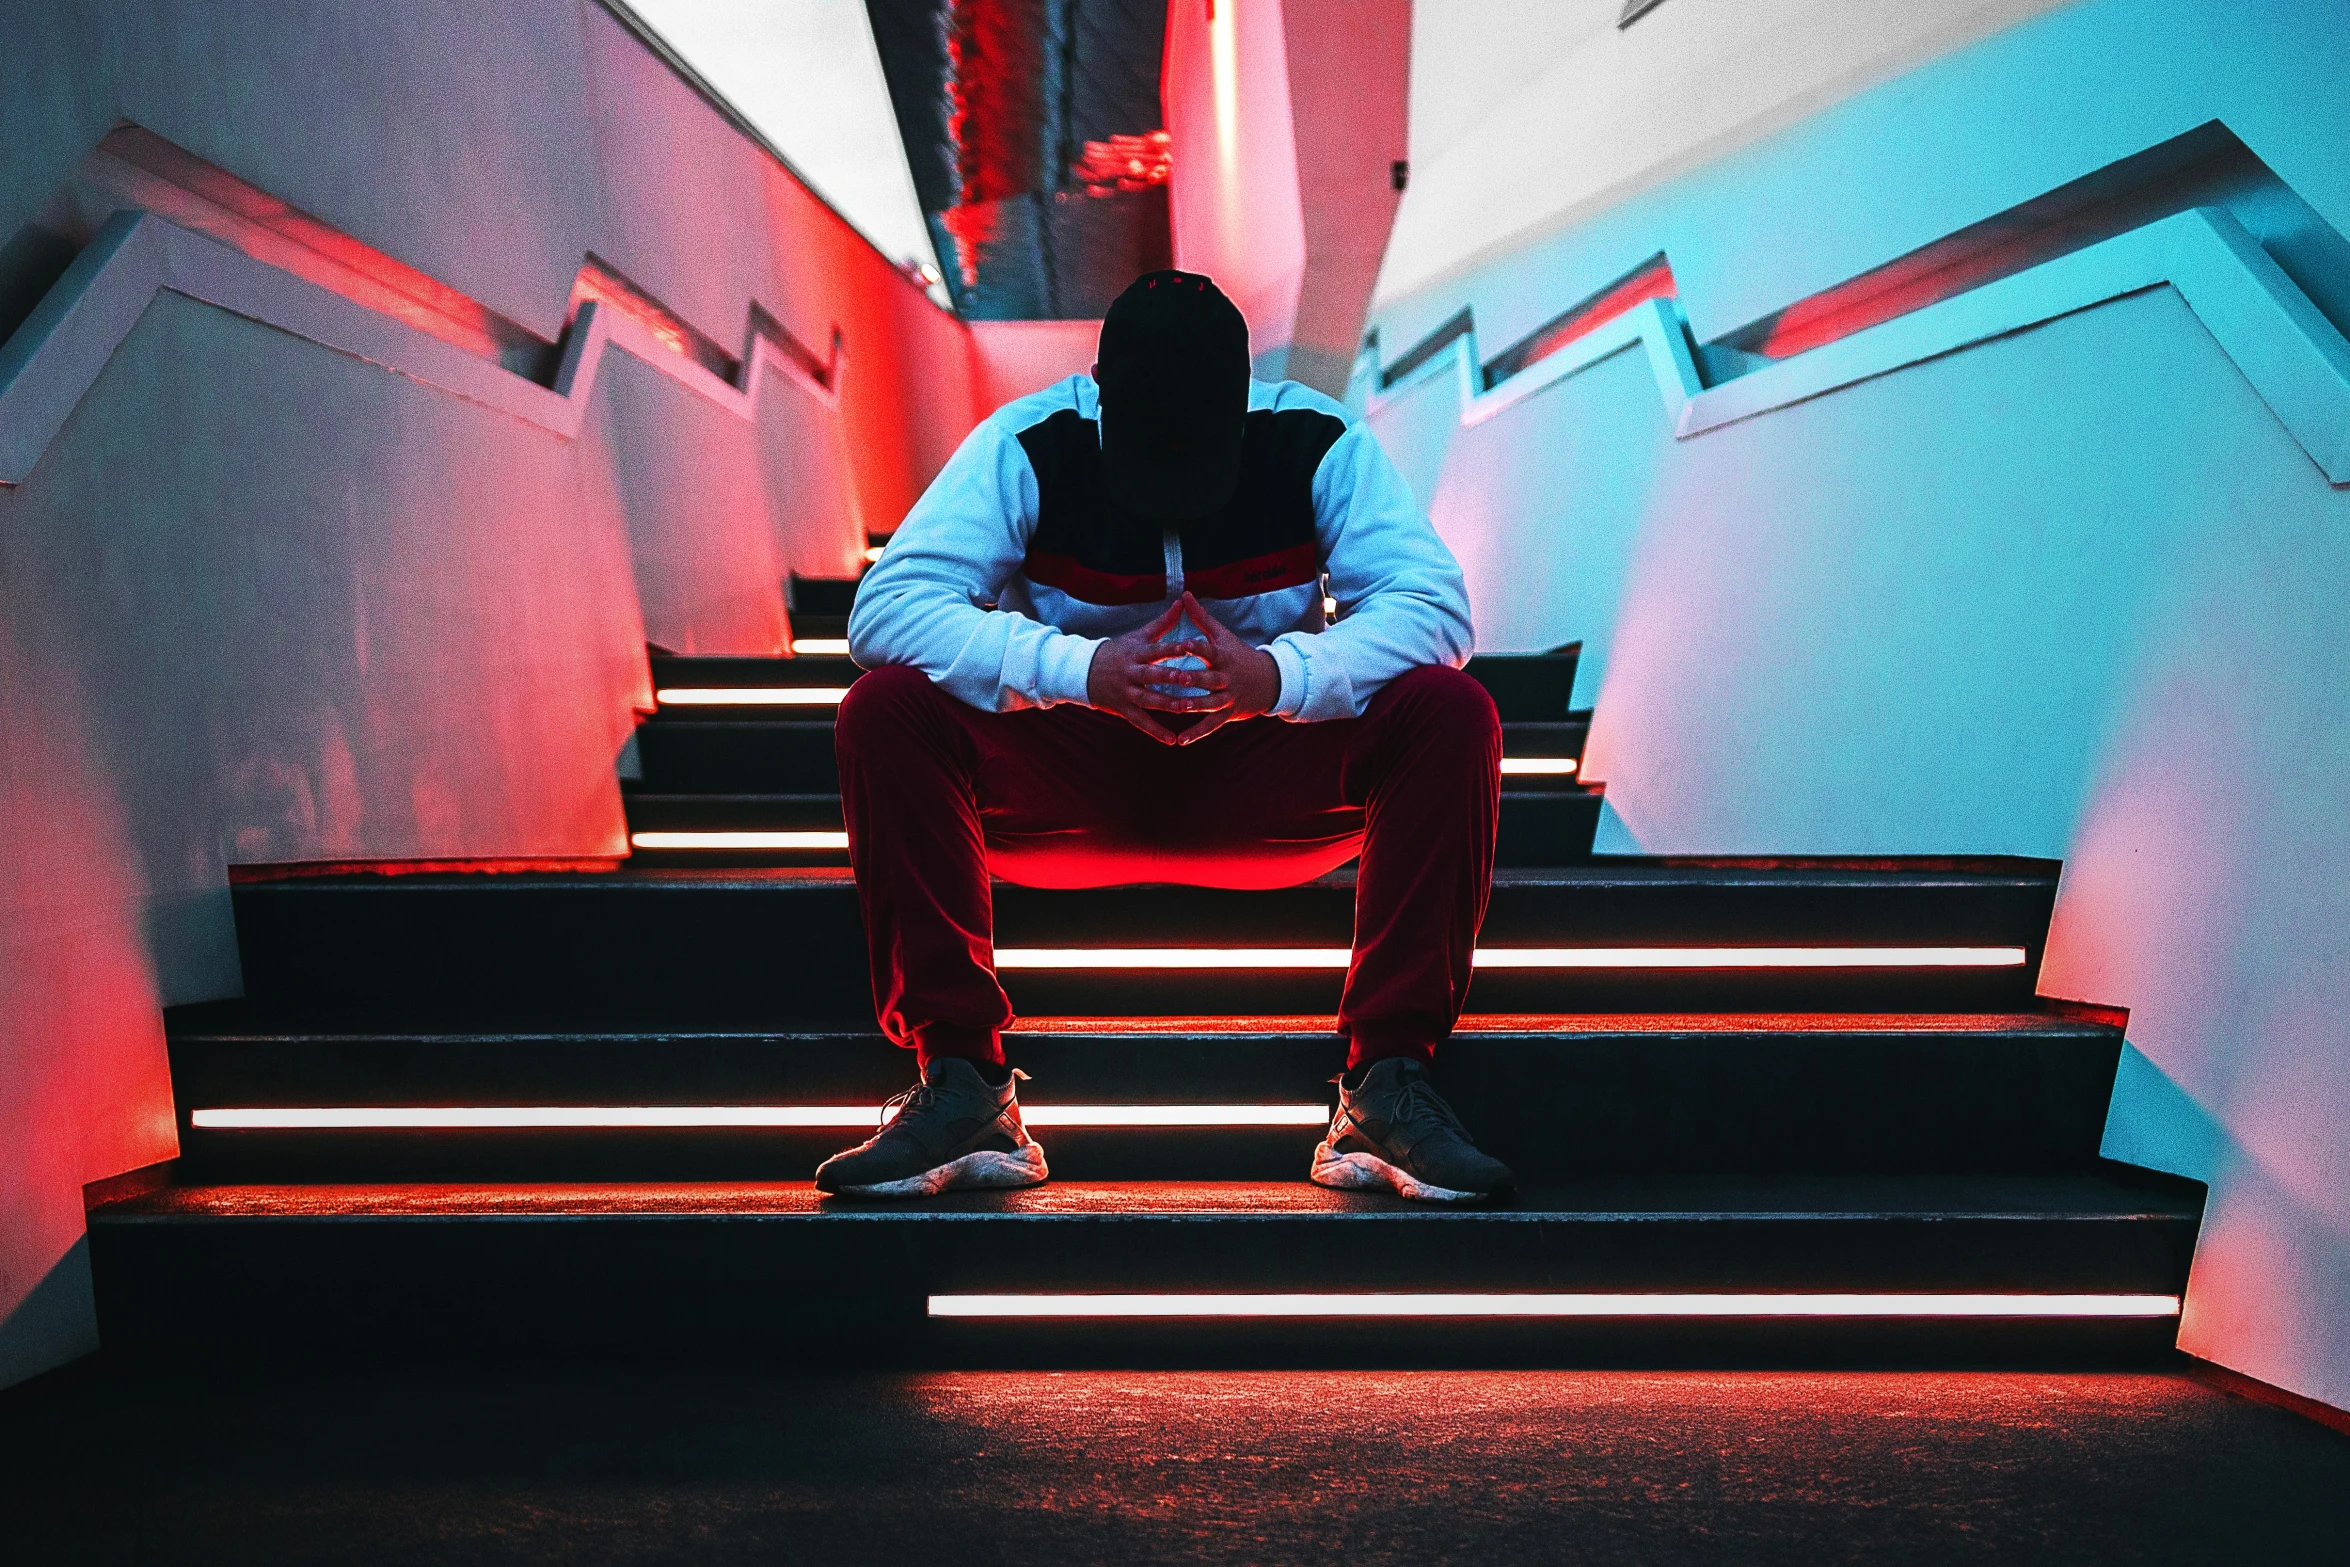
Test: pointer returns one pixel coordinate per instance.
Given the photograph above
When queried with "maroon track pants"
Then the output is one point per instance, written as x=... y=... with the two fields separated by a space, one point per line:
x=940 y=795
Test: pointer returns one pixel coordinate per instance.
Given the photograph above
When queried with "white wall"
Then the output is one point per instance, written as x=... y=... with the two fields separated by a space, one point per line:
x=2071 y=590
x=273 y=594
x=1349 y=70
x=1014 y=358
x=808 y=74
x=1528 y=115
x=1233 y=197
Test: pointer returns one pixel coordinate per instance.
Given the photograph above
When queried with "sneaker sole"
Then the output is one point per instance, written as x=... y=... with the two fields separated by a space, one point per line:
x=1362 y=1172
x=986 y=1170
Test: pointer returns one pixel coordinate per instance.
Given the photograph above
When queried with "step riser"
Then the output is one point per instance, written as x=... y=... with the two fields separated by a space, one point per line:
x=1096 y=994
x=1537 y=828
x=1535 y=813
x=1076 y=1154
x=1526 y=688
x=829 y=597
x=759 y=953
x=706 y=754
x=1931 y=1102
x=1545 y=827
x=719 y=991
x=861 y=1286
x=777 y=1339
x=809 y=622
x=681 y=757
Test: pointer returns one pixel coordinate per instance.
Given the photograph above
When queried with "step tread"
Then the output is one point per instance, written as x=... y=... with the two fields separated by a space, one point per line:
x=720 y=945
x=832 y=796
x=1627 y=1199
x=1536 y=686
x=1561 y=794
x=232 y=1022
x=1599 y=872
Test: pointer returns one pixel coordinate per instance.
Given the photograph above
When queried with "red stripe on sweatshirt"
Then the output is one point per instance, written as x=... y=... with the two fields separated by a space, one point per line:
x=1289 y=568
x=1094 y=587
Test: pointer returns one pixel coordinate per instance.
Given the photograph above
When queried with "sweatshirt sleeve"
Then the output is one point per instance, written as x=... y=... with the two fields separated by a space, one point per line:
x=925 y=602
x=1400 y=593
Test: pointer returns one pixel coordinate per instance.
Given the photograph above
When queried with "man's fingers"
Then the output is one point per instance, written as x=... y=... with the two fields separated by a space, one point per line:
x=1188 y=647
x=1149 y=726
x=1166 y=619
x=1210 y=679
x=1148 y=693
x=1160 y=702
x=1204 y=728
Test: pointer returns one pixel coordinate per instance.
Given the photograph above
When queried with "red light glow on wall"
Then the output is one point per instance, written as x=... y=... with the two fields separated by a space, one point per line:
x=608 y=288
x=1652 y=280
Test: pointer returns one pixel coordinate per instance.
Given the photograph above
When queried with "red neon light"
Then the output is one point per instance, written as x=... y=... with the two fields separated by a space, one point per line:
x=751 y=696
x=1654 y=281
x=739 y=840
x=265 y=227
x=821 y=645
x=1568 y=1305
x=1909 y=283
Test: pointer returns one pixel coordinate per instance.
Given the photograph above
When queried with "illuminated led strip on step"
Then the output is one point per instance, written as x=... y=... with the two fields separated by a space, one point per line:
x=503 y=1118
x=750 y=696
x=1539 y=766
x=1589 y=1305
x=739 y=840
x=1517 y=957
x=821 y=645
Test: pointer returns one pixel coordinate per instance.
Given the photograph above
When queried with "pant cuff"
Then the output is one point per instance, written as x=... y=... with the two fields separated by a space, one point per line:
x=935 y=1040
x=1364 y=1048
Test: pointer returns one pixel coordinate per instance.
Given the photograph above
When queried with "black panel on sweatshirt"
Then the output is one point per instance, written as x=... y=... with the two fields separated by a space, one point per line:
x=1262 y=541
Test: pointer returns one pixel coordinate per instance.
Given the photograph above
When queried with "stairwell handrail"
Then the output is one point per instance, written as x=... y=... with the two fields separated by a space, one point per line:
x=2292 y=354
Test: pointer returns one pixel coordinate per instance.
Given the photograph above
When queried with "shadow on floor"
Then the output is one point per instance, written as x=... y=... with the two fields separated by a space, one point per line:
x=109 y=1462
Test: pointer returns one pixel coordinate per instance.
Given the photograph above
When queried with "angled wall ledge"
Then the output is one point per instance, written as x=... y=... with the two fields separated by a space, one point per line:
x=2294 y=357
x=53 y=358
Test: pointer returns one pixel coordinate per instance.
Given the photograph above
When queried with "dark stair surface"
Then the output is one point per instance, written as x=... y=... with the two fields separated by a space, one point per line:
x=676 y=1265
x=749 y=767
x=1912 y=1131
x=1641 y=1094
x=1718 y=1130
x=747 y=948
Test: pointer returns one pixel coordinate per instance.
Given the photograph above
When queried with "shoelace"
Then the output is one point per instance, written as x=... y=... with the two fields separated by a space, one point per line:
x=919 y=1097
x=922 y=1096
x=1419 y=1102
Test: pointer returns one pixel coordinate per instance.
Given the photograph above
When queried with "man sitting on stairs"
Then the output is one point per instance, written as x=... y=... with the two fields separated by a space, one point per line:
x=1099 y=655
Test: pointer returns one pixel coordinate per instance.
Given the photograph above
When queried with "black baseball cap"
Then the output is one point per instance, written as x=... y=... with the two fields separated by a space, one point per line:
x=1173 y=370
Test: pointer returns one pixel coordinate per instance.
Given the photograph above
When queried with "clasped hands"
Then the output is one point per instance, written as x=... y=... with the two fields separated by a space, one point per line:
x=1240 y=680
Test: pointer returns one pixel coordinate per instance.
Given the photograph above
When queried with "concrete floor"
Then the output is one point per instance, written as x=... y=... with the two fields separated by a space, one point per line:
x=107 y=1463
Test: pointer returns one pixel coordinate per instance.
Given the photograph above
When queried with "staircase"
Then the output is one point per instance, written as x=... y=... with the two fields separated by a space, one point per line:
x=1762 y=1111
x=736 y=767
